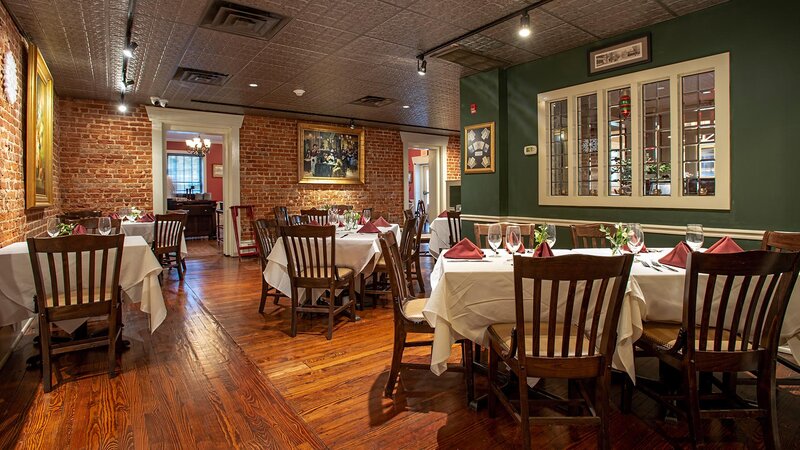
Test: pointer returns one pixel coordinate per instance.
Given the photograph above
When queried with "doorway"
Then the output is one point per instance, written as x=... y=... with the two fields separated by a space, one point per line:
x=425 y=159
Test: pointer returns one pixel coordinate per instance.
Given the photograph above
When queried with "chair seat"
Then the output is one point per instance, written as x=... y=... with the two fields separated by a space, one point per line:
x=412 y=310
x=501 y=334
x=665 y=334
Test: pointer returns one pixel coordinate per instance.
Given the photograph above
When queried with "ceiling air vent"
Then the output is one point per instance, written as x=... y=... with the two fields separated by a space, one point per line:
x=243 y=20
x=470 y=59
x=373 y=101
x=201 y=76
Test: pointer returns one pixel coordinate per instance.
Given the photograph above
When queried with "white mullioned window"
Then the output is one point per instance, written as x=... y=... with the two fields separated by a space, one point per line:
x=658 y=138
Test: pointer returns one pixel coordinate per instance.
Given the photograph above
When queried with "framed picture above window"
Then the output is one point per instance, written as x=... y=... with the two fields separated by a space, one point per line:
x=657 y=138
x=621 y=54
x=479 y=148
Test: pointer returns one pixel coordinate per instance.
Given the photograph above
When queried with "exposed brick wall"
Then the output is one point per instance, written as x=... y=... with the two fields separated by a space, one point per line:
x=15 y=222
x=106 y=156
x=269 y=171
x=454 y=158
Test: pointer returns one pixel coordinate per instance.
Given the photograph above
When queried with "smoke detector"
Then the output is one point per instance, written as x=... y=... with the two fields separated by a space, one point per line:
x=299 y=92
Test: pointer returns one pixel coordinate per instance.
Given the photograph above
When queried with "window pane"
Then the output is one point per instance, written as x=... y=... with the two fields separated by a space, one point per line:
x=699 y=134
x=619 y=142
x=656 y=167
x=587 y=145
x=559 y=172
x=185 y=171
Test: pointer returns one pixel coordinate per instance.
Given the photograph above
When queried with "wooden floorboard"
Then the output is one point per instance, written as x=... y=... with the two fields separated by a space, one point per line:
x=218 y=374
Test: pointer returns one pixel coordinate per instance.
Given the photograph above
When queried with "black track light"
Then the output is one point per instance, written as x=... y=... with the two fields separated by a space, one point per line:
x=352 y=124
x=422 y=66
x=128 y=51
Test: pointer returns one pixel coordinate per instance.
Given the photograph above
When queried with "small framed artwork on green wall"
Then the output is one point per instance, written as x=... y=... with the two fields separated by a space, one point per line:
x=479 y=148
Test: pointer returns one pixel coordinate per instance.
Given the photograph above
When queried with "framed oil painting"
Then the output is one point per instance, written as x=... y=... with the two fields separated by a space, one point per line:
x=479 y=148
x=39 y=133
x=622 y=54
x=330 y=155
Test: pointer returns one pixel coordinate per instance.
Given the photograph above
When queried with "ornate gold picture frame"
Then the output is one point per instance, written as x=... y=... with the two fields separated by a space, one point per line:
x=39 y=133
x=330 y=155
x=479 y=156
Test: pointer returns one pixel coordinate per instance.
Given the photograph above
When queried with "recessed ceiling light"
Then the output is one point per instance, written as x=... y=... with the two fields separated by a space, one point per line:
x=406 y=106
x=299 y=92
x=253 y=84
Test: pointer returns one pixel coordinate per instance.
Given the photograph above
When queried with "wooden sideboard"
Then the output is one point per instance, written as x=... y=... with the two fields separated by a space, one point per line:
x=200 y=222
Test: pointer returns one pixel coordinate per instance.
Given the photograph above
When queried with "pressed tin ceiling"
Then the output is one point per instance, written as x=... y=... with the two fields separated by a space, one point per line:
x=336 y=50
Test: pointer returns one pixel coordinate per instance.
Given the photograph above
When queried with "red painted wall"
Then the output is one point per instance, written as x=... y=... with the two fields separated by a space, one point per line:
x=213 y=185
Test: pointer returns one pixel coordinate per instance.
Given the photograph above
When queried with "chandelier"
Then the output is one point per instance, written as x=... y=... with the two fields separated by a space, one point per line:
x=198 y=147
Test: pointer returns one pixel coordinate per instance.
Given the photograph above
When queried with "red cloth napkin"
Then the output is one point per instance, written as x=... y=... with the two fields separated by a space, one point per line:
x=725 y=245
x=520 y=250
x=146 y=218
x=314 y=223
x=362 y=220
x=341 y=225
x=543 y=251
x=465 y=249
x=381 y=222
x=678 y=256
x=442 y=214
x=369 y=228
x=627 y=249
x=113 y=216
x=79 y=229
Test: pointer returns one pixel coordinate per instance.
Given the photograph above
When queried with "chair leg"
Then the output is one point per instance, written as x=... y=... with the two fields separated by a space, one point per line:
x=627 y=395
x=603 y=409
x=767 y=400
x=264 y=292
x=690 y=387
x=179 y=265
x=418 y=269
x=331 y=307
x=293 y=333
x=363 y=281
x=44 y=348
x=112 y=341
x=524 y=411
x=493 y=356
x=352 y=295
x=469 y=377
x=397 y=358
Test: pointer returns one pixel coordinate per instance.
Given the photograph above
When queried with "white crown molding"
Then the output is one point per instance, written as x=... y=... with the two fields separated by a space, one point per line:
x=677 y=230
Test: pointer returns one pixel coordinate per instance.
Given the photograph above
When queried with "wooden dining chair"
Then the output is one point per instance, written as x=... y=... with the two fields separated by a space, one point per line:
x=92 y=224
x=342 y=208
x=281 y=216
x=318 y=215
x=780 y=241
x=733 y=310
x=408 y=214
x=242 y=217
x=413 y=263
x=589 y=235
x=79 y=280
x=298 y=219
x=420 y=208
x=79 y=214
x=379 y=286
x=167 y=238
x=570 y=297
x=266 y=235
x=454 y=226
x=526 y=230
x=408 y=319
x=311 y=257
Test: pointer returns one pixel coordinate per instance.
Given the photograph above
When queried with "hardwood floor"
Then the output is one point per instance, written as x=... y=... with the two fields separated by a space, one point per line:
x=217 y=374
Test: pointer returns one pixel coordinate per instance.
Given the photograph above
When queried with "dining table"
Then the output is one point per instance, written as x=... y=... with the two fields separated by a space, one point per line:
x=147 y=231
x=138 y=278
x=440 y=236
x=467 y=296
x=357 y=251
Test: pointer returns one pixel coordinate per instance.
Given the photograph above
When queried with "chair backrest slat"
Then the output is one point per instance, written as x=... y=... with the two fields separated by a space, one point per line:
x=65 y=272
x=453 y=225
x=397 y=279
x=168 y=232
x=310 y=251
x=281 y=216
x=266 y=234
x=318 y=215
x=589 y=235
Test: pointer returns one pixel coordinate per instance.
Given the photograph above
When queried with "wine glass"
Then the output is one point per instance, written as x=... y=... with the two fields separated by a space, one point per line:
x=367 y=215
x=52 y=226
x=104 y=225
x=635 y=238
x=341 y=219
x=694 y=236
x=513 y=238
x=551 y=234
x=333 y=218
x=350 y=221
x=495 y=237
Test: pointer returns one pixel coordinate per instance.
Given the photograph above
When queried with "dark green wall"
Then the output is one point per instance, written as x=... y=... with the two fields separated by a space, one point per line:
x=764 y=42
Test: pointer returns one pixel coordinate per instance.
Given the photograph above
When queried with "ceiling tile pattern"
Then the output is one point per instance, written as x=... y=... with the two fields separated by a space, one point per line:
x=336 y=50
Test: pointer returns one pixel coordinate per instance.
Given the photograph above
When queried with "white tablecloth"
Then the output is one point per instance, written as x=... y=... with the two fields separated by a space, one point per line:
x=357 y=251
x=146 y=230
x=440 y=236
x=468 y=297
x=138 y=278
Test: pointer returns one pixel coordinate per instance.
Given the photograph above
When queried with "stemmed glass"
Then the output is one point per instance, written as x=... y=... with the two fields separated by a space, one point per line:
x=513 y=238
x=694 y=236
x=635 y=238
x=52 y=226
x=367 y=215
x=104 y=225
x=333 y=218
x=341 y=219
x=551 y=234
x=495 y=237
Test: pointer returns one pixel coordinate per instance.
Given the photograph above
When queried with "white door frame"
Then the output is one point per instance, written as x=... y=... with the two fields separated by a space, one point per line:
x=227 y=125
x=437 y=146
